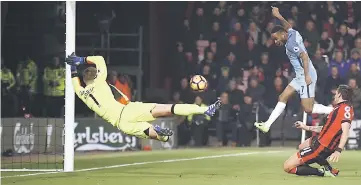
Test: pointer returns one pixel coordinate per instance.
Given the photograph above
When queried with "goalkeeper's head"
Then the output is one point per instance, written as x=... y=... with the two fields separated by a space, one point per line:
x=89 y=74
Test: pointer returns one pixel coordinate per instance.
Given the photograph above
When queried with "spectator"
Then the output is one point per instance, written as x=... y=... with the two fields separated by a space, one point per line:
x=26 y=78
x=210 y=60
x=312 y=37
x=355 y=57
x=342 y=66
x=333 y=81
x=187 y=36
x=179 y=63
x=9 y=101
x=279 y=73
x=257 y=17
x=211 y=78
x=235 y=95
x=330 y=9
x=240 y=34
x=321 y=67
x=316 y=20
x=240 y=17
x=356 y=98
x=213 y=49
x=254 y=33
x=266 y=35
x=341 y=47
x=271 y=97
x=326 y=44
x=257 y=74
x=186 y=94
x=216 y=34
x=253 y=53
x=223 y=80
x=255 y=90
x=199 y=124
x=54 y=88
x=233 y=65
x=199 y=24
x=225 y=121
x=219 y=16
x=354 y=73
x=233 y=47
x=126 y=88
x=357 y=44
x=343 y=34
x=265 y=66
x=330 y=27
x=175 y=98
x=295 y=15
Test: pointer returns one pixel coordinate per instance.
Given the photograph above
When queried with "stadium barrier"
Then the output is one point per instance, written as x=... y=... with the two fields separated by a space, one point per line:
x=45 y=135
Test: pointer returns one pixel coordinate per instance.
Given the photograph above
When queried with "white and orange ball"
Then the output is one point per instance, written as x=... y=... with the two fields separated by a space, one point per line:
x=198 y=83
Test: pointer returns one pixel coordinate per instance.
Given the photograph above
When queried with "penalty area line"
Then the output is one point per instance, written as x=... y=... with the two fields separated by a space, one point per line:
x=145 y=163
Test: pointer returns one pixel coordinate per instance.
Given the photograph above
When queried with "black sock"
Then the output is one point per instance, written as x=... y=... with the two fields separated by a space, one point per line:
x=306 y=170
x=325 y=163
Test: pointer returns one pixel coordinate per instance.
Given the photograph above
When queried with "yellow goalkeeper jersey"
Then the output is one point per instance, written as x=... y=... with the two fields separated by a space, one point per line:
x=98 y=95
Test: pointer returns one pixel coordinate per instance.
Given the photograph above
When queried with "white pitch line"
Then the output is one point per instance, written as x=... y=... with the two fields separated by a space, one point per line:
x=149 y=162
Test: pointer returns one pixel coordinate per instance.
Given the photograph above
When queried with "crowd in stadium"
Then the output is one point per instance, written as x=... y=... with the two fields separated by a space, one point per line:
x=229 y=44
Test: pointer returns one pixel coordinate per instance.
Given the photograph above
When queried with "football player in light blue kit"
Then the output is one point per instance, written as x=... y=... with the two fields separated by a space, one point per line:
x=306 y=76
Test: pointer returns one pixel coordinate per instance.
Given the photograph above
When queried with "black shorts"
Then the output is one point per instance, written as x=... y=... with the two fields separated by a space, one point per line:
x=314 y=152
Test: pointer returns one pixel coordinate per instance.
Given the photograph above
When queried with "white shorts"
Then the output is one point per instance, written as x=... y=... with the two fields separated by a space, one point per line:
x=304 y=90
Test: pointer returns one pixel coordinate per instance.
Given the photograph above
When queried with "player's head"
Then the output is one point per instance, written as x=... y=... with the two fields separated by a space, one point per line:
x=343 y=93
x=89 y=74
x=279 y=35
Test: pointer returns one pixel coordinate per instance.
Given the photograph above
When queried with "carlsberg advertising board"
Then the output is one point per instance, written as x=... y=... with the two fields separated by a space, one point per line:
x=95 y=134
x=45 y=135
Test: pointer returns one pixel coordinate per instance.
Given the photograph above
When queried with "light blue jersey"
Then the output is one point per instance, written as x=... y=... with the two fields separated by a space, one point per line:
x=294 y=47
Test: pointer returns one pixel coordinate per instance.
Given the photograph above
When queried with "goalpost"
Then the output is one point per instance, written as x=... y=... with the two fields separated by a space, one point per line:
x=303 y=134
x=26 y=135
x=69 y=91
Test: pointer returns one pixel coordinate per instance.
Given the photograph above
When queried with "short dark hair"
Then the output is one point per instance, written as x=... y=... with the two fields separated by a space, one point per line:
x=346 y=92
x=278 y=28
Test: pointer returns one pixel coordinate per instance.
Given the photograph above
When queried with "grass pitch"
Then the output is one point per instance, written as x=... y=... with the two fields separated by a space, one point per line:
x=221 y=166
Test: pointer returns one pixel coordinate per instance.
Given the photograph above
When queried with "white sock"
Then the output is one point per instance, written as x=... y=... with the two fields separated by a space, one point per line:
x=321 y=109
x=275 y=113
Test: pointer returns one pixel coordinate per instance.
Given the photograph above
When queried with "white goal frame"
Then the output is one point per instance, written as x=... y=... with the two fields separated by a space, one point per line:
x=69 y=98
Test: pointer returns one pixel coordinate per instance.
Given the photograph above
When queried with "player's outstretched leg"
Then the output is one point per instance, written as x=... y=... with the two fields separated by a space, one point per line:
x=294 y=165
x=161 y=110
x=277 y=111
x=310 y=107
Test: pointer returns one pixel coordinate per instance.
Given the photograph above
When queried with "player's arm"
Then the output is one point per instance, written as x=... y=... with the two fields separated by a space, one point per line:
x=276 y=13
x=305 y=60
x=345 y=126
x=76 y=81
x=303 y=126
x=100 y=65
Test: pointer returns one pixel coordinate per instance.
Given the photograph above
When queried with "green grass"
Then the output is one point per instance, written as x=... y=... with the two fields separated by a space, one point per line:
x=257 y=168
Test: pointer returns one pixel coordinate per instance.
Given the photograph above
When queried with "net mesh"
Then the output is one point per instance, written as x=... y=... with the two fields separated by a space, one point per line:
x=32 y=144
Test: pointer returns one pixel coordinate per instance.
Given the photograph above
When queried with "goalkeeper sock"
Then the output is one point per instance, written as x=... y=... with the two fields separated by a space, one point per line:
x=187 y=109
x=275 y=113
x=321 y=109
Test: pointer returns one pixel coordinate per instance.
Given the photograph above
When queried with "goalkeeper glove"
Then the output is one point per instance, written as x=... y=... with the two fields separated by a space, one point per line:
x=74 y=60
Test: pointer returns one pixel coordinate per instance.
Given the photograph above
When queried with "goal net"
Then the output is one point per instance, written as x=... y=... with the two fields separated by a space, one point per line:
x=43 y=144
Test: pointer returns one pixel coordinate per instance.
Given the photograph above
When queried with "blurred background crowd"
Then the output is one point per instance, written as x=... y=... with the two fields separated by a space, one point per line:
x=229 y=44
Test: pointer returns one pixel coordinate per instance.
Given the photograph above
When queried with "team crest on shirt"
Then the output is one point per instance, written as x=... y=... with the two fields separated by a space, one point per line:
x=296 y=49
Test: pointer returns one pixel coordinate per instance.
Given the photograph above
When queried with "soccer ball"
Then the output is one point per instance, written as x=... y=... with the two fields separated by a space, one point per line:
x=198 y=83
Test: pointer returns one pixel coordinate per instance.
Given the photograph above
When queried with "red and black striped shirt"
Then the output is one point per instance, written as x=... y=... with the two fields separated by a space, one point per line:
x=331 y=132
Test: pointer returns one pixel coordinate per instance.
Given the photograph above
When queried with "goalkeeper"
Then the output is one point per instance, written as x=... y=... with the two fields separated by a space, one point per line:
x=133 y=118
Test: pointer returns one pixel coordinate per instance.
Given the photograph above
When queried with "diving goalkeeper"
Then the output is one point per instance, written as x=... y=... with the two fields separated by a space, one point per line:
x=133 y=118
